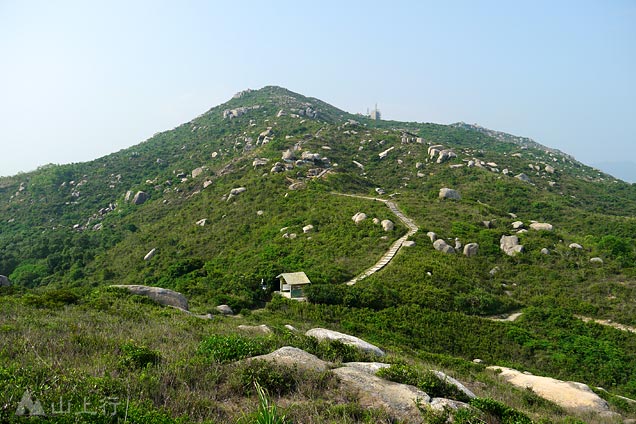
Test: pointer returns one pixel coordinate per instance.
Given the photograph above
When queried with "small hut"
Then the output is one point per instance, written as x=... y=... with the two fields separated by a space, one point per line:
x=292 y=284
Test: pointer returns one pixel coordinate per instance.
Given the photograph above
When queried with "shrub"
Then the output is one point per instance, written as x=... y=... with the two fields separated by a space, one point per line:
x=499 y=411
x=232 y=348
x=51 y=298
x=136 y=356
x=272 y=377
x=426 y=381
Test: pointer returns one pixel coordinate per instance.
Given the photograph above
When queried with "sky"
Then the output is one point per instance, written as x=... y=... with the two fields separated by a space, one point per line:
x=81 y=79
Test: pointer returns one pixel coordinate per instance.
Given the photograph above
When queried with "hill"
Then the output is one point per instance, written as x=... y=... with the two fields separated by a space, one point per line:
x=218 y=207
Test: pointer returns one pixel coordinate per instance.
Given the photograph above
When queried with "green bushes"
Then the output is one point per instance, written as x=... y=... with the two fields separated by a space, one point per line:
x=498 y=412
x=51 y=298
x=274 y=378
x=426 y=381
x=133 y=355
x=232 y=347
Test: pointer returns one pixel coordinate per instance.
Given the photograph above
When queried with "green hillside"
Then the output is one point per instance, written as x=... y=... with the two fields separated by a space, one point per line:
x=228 y=200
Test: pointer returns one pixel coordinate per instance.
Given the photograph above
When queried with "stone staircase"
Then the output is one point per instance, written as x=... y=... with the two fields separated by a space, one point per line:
x=395 y=247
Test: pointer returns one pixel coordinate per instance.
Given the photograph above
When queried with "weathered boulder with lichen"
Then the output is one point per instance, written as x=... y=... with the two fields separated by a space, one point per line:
x=441 y=246
x=510 y=245
x=325 y=334
x=158 y=294
x=449 y=193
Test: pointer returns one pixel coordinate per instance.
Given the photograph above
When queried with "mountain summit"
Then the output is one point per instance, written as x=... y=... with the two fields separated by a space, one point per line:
x=427 y=240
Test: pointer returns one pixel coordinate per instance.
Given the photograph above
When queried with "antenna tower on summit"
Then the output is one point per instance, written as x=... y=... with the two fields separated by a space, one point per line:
x=375 y=114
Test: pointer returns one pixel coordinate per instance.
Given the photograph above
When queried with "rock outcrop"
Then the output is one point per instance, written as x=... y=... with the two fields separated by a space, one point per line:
x=237 y=191
x=567 y=394
x=197 y=171
x=140 y=198
x=150 y=254
x=259 y=329
x=160 y=295
x=376 y=392
x=541 y=226
x=359 y=217
x=449 y=193
x=224 y=310
x=4 y=281
x=471 y=249
x=510 y=245
x=324 y=334
x=450 y=380
x=441 y=246
x=387 y=225
x=294 y=357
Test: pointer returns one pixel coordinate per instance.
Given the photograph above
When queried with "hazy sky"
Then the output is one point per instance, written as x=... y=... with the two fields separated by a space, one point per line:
x=80 y=79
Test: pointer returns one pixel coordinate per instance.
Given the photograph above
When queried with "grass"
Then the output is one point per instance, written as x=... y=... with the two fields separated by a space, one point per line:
x=151 y=359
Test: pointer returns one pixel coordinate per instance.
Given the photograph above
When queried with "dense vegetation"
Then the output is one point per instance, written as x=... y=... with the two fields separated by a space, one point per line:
x=67 y=231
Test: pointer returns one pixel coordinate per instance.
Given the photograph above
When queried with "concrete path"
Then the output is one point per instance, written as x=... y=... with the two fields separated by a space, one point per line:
x=395 y=247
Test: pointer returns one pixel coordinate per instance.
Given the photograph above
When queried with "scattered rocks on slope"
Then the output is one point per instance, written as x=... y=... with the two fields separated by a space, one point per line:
x=545 y=251
x=359 y=217
x=448 y=193
x=471 y=249
x=260 y=162
x=202 y=222
x=308 y=228
x=224 y=310
x=575 y=246
x=386 y=152
x=387 y=225
x=237 y=191
x=160 y=295
x=567 y=394
x=549 y=169
x=140 y=198
x=4 y=281
x=294 y=357
x=510 y=245
x=260 y=329
x=408 y=243
x=431 y=235
x=541 y=226
x=150 y=254
x=442 y=246
x=197 y=171
x=595 y=260
x=324 y=334
x=517 y=224
x=445 y=155
x=288 y=155
x=523 y=177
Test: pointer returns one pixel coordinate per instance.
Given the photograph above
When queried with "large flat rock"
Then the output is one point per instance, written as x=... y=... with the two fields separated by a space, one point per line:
x=160 y=295
x=567 y=394
x=324 y=334
x=294 y=357
x=399 y=399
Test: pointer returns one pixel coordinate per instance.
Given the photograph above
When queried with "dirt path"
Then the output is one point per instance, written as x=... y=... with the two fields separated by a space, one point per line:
x=395 y=247
x=608 y=323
